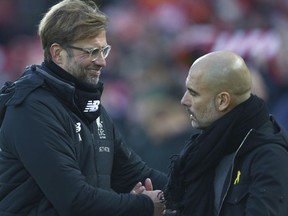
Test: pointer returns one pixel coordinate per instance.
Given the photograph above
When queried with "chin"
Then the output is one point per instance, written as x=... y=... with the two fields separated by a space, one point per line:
x=194 y=125
x=92 y=81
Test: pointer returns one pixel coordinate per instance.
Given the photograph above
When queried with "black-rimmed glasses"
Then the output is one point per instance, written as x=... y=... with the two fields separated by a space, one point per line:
x=93 y=52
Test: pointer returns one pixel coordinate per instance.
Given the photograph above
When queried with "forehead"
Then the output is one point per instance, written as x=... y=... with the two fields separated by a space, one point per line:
x=197 y=81
x=194 y=76
x=94 y=41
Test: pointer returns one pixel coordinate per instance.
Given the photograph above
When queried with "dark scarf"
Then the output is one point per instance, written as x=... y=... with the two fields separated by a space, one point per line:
x=190 y=188
x=87 y=97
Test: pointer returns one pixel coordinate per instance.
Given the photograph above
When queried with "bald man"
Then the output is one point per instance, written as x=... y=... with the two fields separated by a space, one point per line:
x=237 y=162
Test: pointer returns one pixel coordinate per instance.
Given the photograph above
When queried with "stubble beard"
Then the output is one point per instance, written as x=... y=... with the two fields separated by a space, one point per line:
x=81 y=74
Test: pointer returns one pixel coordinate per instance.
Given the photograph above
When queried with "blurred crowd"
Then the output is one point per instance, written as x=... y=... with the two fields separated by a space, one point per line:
x=154 y=42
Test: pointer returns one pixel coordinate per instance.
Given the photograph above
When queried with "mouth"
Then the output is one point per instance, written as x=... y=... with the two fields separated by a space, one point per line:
x=95 y=72
x=191 y=117
x=188 y=111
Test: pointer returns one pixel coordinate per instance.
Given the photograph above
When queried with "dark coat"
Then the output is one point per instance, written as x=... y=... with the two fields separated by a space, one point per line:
x=53 y=162
x=258 y=183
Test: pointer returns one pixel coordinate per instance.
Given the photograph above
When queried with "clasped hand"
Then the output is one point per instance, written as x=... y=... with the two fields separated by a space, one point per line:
x=155 y=195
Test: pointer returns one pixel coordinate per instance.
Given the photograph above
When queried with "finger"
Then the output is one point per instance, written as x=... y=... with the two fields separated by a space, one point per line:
x=139 y=184
x=138 y=188
x=148 y=184
x=164 y=210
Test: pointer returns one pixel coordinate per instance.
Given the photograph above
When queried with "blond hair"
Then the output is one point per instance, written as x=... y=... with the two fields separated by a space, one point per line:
x=70 y=21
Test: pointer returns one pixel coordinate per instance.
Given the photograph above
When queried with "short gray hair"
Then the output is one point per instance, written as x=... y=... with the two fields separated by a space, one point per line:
x=69 y=21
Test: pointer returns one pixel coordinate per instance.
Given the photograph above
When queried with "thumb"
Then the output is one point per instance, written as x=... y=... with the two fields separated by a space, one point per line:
x=148 y=184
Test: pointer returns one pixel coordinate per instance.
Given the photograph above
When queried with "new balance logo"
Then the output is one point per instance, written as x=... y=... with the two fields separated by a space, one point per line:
x=78 y=129
x=92 y=106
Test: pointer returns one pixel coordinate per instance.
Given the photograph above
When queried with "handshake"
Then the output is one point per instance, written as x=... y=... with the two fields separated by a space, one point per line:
x=156 y=196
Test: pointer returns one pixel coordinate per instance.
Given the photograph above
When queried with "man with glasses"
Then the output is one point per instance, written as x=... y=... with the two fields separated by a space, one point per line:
x=60 y=151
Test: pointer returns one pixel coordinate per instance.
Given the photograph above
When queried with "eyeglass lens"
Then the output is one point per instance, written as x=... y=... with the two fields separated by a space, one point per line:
x=104 y=50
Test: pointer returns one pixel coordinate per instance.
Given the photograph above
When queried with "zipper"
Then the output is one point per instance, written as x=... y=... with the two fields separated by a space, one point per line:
x=231 y=173
x=91 y=127
x=95 y=149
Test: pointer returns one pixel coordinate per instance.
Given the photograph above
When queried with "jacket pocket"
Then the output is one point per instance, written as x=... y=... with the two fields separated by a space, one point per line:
x=235 y=202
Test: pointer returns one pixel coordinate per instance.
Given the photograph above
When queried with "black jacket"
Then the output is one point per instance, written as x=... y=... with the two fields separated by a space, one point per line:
x=53 y=162
x=258 y=182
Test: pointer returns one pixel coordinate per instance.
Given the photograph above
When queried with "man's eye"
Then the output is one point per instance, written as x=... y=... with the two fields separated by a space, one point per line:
x=192 y=93
x=95 y=52
x=86 y=52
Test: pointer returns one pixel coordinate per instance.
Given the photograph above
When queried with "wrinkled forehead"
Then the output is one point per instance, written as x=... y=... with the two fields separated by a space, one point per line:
x=193 y=80
x=199 y=79
x=196 y=73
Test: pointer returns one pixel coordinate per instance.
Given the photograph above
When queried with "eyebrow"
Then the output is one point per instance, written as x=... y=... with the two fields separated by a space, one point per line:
x=98 y=47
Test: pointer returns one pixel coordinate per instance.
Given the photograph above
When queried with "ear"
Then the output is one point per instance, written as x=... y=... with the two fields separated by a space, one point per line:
x=56 y=52
x=223 y=101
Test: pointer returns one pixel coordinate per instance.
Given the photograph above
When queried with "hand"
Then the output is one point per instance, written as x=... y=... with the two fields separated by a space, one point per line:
x=170 y=212
x=138 y=188
x=156 y=197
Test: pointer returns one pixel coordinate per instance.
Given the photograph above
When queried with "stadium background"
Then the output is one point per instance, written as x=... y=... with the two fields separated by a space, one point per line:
x=154 y=42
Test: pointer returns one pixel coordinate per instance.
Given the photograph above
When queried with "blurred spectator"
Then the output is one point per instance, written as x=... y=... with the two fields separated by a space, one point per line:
x=280 y=110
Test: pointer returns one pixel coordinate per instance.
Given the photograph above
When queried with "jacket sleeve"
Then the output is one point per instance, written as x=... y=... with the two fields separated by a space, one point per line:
x=128 y=169
x=46 y=151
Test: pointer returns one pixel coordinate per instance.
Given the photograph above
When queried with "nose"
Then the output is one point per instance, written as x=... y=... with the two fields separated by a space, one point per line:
x=184 y=100
x=100 y=60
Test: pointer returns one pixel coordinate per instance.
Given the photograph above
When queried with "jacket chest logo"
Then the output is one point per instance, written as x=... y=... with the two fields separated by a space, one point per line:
x=78 y=130
x=92 y=106
x=101 y=131
x=104 y=149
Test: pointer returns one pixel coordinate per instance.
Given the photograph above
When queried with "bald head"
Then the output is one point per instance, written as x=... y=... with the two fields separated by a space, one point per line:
x=223 y=71
x=216 y=84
